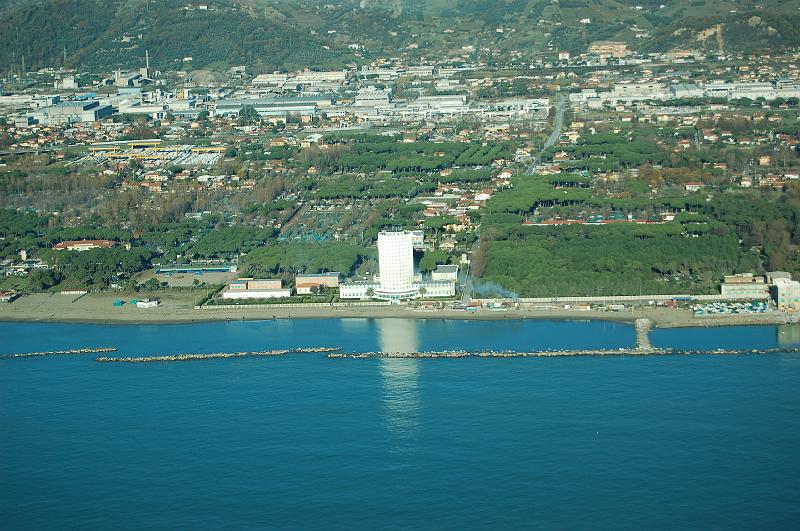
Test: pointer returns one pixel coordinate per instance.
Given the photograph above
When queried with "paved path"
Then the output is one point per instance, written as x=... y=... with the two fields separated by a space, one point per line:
x=558 y=124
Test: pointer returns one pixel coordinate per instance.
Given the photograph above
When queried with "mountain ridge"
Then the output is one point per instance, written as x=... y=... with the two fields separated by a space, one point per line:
x=288 y=34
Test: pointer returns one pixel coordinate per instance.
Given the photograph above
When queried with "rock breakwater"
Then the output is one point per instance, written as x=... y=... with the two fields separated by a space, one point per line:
x=554 y=353
x=216 y=355
x=72 y=351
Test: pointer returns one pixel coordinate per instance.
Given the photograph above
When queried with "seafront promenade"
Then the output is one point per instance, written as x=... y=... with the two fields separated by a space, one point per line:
x=180 y=308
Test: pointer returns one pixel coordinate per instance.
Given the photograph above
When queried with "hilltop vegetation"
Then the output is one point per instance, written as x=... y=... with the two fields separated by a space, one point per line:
x=292 y=34
x=747 y=31
x=116 y=33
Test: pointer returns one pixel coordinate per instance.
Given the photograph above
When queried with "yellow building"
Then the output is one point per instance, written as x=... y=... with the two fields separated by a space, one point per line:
x=787 y=295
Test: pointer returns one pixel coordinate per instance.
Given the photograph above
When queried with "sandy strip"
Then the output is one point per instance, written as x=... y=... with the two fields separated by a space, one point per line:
x=179 y=308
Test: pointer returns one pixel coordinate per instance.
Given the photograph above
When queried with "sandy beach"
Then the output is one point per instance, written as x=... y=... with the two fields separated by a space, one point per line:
x=179 y=308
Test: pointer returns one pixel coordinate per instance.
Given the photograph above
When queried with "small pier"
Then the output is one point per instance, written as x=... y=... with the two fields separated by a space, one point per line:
x=643 y=327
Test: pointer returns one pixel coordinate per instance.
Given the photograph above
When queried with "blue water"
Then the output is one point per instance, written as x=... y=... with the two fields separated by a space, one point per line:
x=304 y=442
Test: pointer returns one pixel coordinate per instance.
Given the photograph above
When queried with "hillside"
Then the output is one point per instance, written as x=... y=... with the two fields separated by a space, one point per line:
x=287 y=34
x=116 y=33
x=746 y=31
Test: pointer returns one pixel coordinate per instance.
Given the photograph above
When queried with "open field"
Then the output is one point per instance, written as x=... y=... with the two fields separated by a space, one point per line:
x=179 y=308
x=187 y=279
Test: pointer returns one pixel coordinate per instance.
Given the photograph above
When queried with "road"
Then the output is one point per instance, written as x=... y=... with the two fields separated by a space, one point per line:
x=558 y=124
x=467 y=287
x=29 y=151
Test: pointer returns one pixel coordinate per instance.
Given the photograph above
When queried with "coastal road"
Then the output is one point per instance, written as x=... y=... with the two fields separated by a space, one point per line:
x=467 y=287
x=29 y=151
x=558 y=124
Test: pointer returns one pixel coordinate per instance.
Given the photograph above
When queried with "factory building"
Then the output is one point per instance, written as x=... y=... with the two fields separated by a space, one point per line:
x=633 y=92
x=320 y=78
x=686 y=90
x=276 y=108
x=373 y=97
x=455 y=106
x=72 y=112
x=275 y=79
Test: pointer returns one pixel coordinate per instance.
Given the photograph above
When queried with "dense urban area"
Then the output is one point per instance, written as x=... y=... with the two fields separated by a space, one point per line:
x=576 y=163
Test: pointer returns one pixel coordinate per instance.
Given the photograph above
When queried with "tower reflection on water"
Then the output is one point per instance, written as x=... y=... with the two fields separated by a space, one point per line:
x=789 y=335
x=401 y=397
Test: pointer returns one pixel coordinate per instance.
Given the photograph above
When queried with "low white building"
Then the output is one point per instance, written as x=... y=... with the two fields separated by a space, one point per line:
x=257 y=293
x=437 y=288
x=358 y=290
x=425 y=289
x=251 y=288
x=275 y=79
x=447 y=273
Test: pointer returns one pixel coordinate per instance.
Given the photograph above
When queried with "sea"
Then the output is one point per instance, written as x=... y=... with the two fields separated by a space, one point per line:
x=306 y=442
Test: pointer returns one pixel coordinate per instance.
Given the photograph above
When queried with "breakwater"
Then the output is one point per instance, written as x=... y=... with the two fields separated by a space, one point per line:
x=335 y=353
x=643 y=327
x=72 y=351
x=555 y=353
x=217 y=355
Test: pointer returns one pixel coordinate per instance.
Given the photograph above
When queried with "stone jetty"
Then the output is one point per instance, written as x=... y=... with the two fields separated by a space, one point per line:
x=72 y=351
x=216 y=355
x=555 y=353
x=188 y=357
x=643 y=327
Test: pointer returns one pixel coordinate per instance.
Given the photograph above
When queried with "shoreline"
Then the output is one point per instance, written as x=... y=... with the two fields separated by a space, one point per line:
x=98 y=309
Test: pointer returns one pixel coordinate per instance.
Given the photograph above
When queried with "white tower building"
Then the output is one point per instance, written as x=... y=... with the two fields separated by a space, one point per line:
x=396 y=263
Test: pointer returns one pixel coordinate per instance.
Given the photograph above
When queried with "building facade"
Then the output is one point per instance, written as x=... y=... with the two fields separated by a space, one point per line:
x=252 y=288
x=396 y=263
x=397 y=280
x=745 y=286
x=305 y=284
x=787 y=295
x=446 y=273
